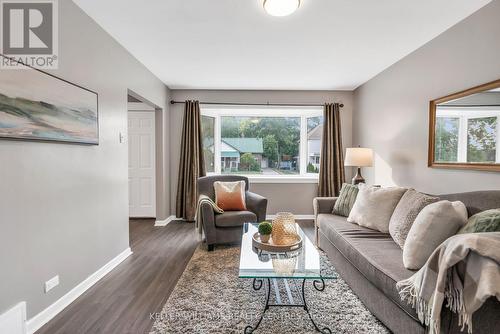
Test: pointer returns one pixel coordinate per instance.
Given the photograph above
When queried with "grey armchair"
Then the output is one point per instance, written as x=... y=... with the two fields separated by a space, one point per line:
x=226 y=227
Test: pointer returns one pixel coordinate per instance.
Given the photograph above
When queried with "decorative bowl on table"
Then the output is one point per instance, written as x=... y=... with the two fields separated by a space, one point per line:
x=284 y=229
x=270 y=246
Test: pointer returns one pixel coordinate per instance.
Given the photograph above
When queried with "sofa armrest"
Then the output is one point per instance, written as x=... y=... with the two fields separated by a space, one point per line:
x=256 y=204
x=323 y=205
x=208 y=220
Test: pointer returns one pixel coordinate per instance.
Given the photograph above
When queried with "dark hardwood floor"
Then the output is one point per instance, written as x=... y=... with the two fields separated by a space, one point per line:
x=122 y=301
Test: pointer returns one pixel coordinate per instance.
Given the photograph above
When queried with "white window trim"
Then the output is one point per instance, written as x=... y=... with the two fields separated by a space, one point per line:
x=248 y=111
x=463 y=118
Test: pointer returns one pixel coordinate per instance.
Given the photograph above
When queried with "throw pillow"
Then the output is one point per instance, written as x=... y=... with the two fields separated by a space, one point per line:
x=405 y=213
x=374 y=207
x=485 y=221
x=230 y=196
x=433 y=225
x=346 y=199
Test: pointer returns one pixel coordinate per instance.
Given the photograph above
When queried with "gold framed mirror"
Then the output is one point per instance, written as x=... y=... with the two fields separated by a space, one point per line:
x=464 y=129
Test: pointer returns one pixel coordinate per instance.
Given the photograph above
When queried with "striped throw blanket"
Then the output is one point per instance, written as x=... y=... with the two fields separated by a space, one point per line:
x=464 y=270
x=198 y=218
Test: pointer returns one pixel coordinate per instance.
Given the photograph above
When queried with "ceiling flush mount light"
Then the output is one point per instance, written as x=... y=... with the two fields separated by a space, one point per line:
x=281 y=7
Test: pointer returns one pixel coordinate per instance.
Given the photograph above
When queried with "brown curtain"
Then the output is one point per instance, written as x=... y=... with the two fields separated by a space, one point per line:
x=331 y=170
x=191 y=165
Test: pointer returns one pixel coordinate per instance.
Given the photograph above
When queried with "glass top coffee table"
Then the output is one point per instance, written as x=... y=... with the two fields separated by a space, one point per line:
x=284 y=274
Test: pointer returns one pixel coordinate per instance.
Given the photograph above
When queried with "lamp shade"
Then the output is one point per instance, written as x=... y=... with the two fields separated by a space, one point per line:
x=358 y=157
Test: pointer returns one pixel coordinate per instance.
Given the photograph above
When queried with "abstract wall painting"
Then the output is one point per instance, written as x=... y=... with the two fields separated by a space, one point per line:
x=35 y=105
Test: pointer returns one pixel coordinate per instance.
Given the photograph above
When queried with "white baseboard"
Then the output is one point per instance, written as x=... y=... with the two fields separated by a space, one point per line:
x=13 y=321
x=50 y=312
x=165 y=221
x=298 y=217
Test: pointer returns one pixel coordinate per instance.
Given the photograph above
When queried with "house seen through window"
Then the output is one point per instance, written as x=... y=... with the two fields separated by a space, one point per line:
x=262 y=142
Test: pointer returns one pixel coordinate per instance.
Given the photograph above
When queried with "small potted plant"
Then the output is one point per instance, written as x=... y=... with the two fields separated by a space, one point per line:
x=265 y=229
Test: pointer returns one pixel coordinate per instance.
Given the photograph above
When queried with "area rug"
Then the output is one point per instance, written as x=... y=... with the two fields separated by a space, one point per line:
x=210 y=298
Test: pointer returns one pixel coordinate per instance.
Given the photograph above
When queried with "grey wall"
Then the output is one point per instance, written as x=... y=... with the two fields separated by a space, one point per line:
x=296 y=198
x=64 y=208
x=488 y=98
x=289 y=197
x=391 y=110
x=163 y=160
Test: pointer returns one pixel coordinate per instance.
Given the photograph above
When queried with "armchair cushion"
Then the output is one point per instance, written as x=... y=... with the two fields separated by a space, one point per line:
x=206 y=183
x=230 y=196
x=234 y=218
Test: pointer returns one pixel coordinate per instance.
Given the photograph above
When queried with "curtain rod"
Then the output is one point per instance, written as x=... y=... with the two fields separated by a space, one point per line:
x=258 y=104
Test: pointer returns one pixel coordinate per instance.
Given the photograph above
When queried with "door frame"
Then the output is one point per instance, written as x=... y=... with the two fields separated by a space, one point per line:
x=154 y=201
x=163 y=183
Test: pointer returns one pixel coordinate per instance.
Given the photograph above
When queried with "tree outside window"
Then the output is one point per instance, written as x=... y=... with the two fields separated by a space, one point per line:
x=482 y=139
x=446 y=149
x=266 y=145
x=465 y=135
x=272 y=142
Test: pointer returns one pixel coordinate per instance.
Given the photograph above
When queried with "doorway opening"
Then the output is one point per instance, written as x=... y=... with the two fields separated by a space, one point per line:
x=145 y=156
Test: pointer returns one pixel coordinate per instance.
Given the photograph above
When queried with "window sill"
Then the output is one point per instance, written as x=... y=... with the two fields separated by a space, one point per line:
x=282 y=179
x=276 y=179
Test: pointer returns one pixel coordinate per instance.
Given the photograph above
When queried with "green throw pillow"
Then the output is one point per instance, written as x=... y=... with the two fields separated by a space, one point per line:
x=346 y=200
x=486 y=221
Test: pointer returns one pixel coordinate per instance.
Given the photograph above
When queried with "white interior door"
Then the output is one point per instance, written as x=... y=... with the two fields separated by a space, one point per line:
x=141 y=164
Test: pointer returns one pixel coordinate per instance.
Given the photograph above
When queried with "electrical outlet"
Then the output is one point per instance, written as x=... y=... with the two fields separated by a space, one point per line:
x=51 y=283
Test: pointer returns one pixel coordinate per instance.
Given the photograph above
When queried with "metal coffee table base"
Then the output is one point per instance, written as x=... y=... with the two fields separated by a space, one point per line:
x=258 y=283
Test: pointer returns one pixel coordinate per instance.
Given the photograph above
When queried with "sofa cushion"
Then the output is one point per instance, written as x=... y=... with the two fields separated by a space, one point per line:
x=234 y=218
x=476 y=201
x=405 y=214
x=433 y=225
x=346 y=199
x=485 y=221
x=374 y=207
x=373 y=253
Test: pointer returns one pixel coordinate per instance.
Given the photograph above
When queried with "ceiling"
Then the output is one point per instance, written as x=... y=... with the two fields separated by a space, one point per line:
x=234 y=44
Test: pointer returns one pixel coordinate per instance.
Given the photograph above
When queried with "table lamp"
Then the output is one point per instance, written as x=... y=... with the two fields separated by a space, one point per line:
x=358 y=157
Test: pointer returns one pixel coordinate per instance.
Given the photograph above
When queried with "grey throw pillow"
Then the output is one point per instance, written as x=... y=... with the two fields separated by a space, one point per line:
x=433 y=225
x=405 y=213
x=346 y=199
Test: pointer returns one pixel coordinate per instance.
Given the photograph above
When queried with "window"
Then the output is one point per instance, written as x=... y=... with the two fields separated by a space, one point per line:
x=314 y=135
x=482 y=139
x=262 y=142
x=207 y=129
x=467 y=135
x=447 y=138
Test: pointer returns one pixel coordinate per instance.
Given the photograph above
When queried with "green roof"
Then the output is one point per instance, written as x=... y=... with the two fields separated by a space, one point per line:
x=245 y=145
x=232 y=154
